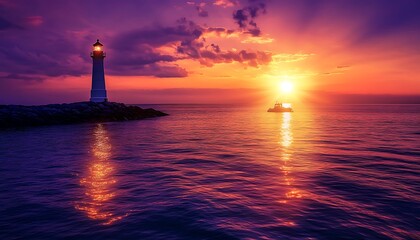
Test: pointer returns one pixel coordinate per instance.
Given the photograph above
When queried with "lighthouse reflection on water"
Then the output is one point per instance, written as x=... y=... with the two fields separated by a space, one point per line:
x=99 y=181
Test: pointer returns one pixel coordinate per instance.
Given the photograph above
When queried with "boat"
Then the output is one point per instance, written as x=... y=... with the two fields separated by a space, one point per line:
x=281 y=107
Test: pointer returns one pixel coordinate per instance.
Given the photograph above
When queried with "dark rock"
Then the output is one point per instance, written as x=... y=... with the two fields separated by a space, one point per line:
x=23 y=116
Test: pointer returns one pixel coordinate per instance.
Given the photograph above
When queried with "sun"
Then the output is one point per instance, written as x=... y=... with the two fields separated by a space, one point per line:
x=286 y=87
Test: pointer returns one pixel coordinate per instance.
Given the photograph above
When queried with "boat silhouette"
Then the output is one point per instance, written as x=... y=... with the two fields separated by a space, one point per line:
x=281 y=107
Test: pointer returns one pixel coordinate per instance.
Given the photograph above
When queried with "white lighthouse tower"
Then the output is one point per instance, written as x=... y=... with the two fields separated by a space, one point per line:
x=98 y=92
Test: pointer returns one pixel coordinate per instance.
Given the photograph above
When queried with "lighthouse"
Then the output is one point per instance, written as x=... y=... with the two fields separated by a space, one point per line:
x=98 y=92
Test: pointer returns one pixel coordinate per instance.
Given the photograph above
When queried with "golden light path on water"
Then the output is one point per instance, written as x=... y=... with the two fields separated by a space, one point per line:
x=286 y=141
x=99 y=181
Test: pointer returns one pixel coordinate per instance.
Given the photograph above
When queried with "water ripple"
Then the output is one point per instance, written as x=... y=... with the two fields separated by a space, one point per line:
x=206 y=172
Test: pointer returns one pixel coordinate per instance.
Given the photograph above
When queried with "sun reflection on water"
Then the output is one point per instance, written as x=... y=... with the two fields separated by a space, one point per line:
x=286 y=156
x=99 y=181
x=286 y=133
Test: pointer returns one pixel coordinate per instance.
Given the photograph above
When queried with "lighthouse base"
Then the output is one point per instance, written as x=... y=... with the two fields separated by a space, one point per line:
x=98 y=96
x=98 y=99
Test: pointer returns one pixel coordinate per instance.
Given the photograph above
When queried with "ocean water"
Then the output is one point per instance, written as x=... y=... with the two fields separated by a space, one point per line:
x=217 y=172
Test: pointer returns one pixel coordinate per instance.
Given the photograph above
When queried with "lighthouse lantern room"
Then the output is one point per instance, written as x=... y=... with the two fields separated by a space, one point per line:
x=98 y=92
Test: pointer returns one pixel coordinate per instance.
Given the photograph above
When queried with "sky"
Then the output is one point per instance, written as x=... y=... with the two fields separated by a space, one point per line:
x=214 y=51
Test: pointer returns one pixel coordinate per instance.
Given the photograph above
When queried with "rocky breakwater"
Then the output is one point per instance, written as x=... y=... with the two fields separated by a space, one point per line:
x=24 y=116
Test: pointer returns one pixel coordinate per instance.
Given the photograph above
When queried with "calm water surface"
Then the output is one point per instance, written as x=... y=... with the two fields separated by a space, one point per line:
x=217 y=172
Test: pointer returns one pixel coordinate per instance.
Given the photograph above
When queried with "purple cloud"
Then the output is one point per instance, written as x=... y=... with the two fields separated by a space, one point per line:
x=245 y=17
x=200 y=8
x=43 y=48
x=160 y=70
x=186 y=38
x=48 y=55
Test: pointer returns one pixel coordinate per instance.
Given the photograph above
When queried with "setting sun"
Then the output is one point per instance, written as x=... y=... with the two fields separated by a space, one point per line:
x=286 y=87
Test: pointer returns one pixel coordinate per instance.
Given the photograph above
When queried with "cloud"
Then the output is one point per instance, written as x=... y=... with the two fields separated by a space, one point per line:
x=245 y=17
x=249 y=58
x=259 y=40
x=28 y=55
x=160 y=70
x=43 y=56
x=200 y=8
x=146 y=51
x=156 y=36
x=229 y=33
x=186 y=39
x=226 y=3
x=202 y=12
x=141 y=54
x=219 y=32
x=291 y=57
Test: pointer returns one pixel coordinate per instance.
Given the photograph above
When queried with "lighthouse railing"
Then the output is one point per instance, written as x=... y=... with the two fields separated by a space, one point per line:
x=96 y=54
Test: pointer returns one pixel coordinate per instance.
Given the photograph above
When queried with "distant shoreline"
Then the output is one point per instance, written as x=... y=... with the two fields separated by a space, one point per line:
x=16 y=116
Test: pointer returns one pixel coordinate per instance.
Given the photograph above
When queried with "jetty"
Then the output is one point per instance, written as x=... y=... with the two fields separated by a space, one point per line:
x=14 y=116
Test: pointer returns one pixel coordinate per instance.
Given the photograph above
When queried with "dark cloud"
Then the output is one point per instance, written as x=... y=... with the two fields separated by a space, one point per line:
x=245 y=17
x=136 y=52
x=147 y=63
x=132 y=53
x=45 y=49
x=219 y=31
x=160 y=70
x=215 y=48
x=200 y=8
x=156 y=36
x=139 y=55
x=249 y=58
x=146 y=51
x=139 y=47
x=201 y=11
x=169 y=71
x=211 y=54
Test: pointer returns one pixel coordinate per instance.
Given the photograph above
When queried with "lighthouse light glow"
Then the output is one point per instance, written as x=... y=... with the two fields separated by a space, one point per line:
x=97 y=48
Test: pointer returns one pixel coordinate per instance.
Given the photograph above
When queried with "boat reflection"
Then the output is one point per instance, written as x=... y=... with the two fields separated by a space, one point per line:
x=286 y=155
x=99 y=180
